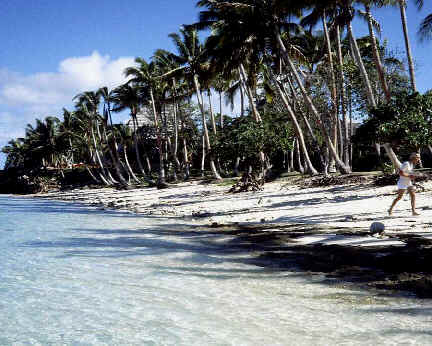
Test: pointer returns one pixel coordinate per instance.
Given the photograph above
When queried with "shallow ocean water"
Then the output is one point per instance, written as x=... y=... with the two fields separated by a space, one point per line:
x=70 y=275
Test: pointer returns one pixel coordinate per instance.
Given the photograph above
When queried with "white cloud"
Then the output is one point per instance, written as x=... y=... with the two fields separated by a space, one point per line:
x=26 y=97
x=57 y=89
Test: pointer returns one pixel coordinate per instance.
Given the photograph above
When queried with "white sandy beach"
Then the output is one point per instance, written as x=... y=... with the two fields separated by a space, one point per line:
x=347 y=206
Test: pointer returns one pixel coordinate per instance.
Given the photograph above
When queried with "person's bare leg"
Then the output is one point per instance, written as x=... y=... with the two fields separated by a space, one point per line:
x=413 y=201
x=397 y=199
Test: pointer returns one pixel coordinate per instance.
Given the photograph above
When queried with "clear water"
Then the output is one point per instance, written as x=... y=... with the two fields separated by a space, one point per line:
x=74 y=276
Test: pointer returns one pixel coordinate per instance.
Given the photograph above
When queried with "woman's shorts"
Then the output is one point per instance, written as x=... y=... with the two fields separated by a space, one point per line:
x=403 y=185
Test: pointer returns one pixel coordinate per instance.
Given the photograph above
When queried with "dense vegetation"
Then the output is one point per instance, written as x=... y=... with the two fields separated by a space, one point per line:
x=303 y=79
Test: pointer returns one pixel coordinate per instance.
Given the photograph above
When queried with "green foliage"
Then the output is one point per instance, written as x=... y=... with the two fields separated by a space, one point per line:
x=406 y=121
x=244 y=136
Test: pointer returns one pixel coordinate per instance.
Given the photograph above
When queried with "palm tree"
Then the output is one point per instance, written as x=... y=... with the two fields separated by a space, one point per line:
x=43 y=141
x=425 y=29
x=372 y=26
x=127 y=139
x=166 y=63
x=192 y=60
x=106 y=120
x=87 y=107
x=16 y=153
x=237 y=42
x=68 y=132
x=127 y=96
x=147 y=78
x=271 y=18
x=402 y=7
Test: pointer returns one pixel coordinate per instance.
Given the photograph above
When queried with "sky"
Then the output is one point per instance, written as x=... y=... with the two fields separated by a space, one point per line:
x=52 y=50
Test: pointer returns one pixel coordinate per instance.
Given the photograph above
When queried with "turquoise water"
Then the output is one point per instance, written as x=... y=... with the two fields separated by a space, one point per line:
x=76 y=276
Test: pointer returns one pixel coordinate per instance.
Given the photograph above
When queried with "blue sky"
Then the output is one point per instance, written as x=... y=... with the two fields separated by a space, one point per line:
x=52 y=50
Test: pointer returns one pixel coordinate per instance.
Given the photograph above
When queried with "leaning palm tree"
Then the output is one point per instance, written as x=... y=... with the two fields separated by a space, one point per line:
x=127 y=139
x=236 y=24
x=68 y=133
x=192 y=60
x=146 y=77
x=402 y=8
x=87 y=107
x=165 y=63
x=128 y=96
x=373 y=26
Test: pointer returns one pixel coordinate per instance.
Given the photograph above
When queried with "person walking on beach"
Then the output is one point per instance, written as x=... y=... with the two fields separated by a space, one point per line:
x=405 y=182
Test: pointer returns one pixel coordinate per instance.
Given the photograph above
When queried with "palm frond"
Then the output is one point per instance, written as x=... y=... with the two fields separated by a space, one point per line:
x=425 y=30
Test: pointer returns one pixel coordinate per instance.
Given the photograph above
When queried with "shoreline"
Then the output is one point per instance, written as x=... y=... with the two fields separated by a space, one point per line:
x=322 y=230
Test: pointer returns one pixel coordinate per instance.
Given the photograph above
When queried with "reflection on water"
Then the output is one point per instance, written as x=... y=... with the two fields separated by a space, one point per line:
x=75 y=276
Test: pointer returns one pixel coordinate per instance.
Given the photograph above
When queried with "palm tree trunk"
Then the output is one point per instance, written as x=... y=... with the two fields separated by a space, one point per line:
x=135 y=140
x=161 y=179
x=221 y=119
x=377 y=58
x=103 y=176
x=297 y=128
x=333 y=90
x=108 y=172
x=236 y=166
x=186 y=160
x=132 y=174
x=392 y=155
x=185 y=149
x=255 y=113
x=92 y=175
x=298 y=156
x=241 y=100
x=212 y=116
x=205 y=130
x=310 y=104
x=359 y=61
x=402 y=4
x=363 y=72
x=148 y=164
x=291 y=159
x=346 y=155
x=315 y=142
x=243 y=79
x=203 y=155
x=175 y=125
x=116 y=163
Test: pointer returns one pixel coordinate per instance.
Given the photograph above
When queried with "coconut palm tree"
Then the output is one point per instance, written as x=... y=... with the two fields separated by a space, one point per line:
x=16 y=153
x=127 y=139
x=237 y=44
x=166 y=63
x=373 y=26
x=402 y=8
x=127 y=96
x=146 y=77
x=193 y=64
x=425 y=29
x=271 y=18
x=87 y=107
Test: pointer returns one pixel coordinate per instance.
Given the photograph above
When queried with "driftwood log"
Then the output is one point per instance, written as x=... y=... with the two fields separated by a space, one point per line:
x=248 y=182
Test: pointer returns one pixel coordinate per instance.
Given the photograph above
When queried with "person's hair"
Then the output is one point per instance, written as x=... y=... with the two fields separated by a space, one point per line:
x=413 y=155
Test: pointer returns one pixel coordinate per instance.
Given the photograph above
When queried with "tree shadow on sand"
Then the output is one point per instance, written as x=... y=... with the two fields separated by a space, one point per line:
x=270 y=248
